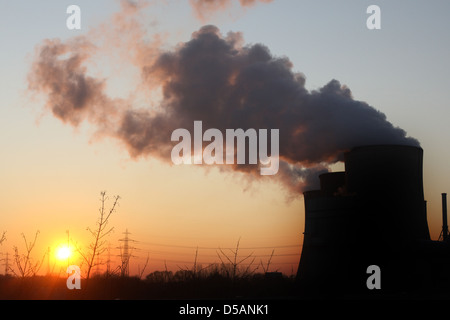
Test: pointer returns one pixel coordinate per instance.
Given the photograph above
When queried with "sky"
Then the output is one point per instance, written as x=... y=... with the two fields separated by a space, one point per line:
x=53 y=171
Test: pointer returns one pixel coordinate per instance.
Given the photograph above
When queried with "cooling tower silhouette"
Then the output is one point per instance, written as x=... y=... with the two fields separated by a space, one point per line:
x=374 y=213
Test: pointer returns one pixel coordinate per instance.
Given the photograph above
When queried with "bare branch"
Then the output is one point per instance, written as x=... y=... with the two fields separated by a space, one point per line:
x=23 y=262
x=145 y=266
x=96 y=247
x=223 y=253
x=247 y=272
x=250 y=255
x=235 y=262
x=3 y=237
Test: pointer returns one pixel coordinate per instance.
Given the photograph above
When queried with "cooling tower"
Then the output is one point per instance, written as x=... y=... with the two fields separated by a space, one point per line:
x=388 y=181
x=374 y=213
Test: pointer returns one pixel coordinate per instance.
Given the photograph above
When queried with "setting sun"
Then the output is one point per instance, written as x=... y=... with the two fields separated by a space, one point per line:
x=63 y=252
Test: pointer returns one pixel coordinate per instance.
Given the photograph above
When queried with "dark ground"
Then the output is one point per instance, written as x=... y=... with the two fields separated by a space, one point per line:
x=133 y=288
x=214 y=287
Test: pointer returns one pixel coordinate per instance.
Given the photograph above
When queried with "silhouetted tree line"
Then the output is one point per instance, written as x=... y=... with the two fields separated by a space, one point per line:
x=157 y=285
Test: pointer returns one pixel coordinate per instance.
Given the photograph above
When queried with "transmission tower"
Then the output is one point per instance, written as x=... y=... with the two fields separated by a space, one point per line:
x=48 y=260
x=6 y=263
x=126 y=253
x=108 y=262
x=444 y=233
x=97 y=267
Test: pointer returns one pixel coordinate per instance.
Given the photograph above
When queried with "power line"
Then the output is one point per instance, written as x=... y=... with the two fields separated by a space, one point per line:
x=208 y=256
x=215 y=248
x=213 y=255
x=211 y=263
x=181 y=256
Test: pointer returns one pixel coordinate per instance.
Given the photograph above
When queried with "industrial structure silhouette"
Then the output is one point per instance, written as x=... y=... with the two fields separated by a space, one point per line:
x=374 y=213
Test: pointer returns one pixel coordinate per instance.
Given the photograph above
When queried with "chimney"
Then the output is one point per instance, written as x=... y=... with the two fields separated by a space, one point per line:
x=444 y=217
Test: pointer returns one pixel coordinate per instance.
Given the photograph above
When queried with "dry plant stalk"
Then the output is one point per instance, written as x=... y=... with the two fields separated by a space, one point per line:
x=266 y=269
x=97 y=246
x=3 y=237
x=23 y=262
x=234 y=262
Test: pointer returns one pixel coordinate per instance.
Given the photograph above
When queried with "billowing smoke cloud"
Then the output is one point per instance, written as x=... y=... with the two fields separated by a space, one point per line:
x=204 y=8
x=72 y=95
x=218 y=80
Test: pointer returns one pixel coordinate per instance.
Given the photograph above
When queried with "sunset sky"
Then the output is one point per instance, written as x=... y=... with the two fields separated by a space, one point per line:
x=53 y=170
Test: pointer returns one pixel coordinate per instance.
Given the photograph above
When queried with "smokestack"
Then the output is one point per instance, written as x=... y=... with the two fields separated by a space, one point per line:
x=444 y=217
